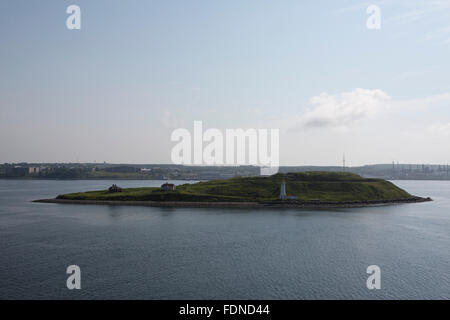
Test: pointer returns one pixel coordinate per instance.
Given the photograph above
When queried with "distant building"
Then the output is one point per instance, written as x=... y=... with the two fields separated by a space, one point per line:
x=168 y=187
x=33 y=170
x=114 y=188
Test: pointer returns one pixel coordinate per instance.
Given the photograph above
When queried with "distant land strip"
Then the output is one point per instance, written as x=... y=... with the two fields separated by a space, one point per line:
x=110 y=171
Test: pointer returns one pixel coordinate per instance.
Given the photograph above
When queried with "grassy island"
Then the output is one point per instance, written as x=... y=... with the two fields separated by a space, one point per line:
x=304 y=188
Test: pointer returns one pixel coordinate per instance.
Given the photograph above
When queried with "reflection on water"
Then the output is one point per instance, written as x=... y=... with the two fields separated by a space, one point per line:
x=169 y=253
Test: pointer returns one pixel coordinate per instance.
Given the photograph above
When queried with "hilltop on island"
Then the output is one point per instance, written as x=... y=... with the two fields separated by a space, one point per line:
x=300 y=189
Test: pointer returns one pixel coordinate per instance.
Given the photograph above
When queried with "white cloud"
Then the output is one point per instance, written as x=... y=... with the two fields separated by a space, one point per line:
x=440 y=128
x=345 y=109
x=370 y=127
x=419 y=104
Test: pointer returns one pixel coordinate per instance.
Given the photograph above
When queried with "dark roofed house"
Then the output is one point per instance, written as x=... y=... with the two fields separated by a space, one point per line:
x=114 y=188
x=168 y=187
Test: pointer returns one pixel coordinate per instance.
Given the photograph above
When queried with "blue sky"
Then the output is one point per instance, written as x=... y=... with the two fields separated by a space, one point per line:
x=115 y=90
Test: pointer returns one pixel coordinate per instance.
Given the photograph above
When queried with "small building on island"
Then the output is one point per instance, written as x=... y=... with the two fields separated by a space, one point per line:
x=114 y=188
x=168 y=187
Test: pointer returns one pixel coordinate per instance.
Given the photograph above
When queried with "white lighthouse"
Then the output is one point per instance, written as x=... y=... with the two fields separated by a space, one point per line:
x=283 y=195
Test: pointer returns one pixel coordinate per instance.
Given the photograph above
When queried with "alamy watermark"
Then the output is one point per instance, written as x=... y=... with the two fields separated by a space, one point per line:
x=374 y=280
x=234 y=147
x=374 y=20
x=74 y=280
x=73 y=21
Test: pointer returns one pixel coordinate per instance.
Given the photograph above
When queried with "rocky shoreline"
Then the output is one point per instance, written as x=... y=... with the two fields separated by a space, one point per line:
x=266 y=204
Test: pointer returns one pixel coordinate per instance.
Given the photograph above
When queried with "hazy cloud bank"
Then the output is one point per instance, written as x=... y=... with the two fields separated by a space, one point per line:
x=342 y=110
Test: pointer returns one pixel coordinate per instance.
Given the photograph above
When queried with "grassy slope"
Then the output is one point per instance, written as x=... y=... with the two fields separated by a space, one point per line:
x=325 y=186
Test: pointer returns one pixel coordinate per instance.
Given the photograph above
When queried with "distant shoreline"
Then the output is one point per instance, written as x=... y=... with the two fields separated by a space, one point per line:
x=95 y=179
x=243 y=205
x=186 y=179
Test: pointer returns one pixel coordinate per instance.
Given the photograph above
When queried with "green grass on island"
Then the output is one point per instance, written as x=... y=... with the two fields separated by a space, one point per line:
x=306 y=186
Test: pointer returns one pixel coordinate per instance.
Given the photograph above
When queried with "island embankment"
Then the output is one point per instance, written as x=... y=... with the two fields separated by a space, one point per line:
x=291 y=190
x=243 y=205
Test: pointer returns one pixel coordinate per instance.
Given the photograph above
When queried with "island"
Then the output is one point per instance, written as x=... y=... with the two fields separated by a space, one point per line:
x=287 y=190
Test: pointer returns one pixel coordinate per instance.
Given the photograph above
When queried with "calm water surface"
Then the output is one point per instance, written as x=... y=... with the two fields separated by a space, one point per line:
x=162 y=253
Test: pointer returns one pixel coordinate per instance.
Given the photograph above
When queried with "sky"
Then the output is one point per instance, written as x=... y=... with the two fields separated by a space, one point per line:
x=117 y=88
